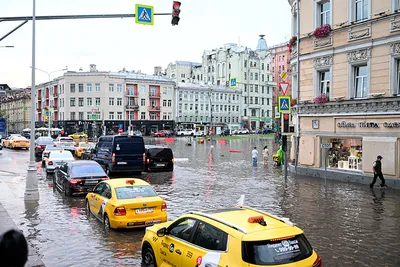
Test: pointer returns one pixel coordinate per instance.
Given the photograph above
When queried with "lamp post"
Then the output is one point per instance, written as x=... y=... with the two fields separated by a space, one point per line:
x=31 y=186
x=211 y=112
x=49 y=74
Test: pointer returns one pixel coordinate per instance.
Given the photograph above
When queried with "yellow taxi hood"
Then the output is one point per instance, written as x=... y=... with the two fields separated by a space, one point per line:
x=272 y=233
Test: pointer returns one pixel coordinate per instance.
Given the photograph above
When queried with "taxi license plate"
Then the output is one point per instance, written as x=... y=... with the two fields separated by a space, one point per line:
x=160 y=164
x=121 y=163
x=143 y=211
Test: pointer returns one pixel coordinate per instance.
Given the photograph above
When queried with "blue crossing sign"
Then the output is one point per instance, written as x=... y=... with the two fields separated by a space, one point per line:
x=284 y=104
x=233 y=82
x=144 y=14
x=94 y=116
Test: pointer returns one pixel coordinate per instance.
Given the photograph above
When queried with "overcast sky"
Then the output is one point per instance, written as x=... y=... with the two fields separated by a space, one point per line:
x=113 y=44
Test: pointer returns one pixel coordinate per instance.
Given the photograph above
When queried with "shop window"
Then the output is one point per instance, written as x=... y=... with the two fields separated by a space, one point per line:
x=345 y=154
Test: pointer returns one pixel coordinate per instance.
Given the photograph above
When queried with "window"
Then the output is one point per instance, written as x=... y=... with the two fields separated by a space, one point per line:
x=256 y=88
x=345 y=154
x=97 y=101
x=251 y=76
x=360 y=81
x=119 y=88
x=360 y=9
x=324 y=82
x=262 y=77
x=80 y=102
x=72 y=116
x=89 y=87
x=253 y=112
x=111 y=115
x=245 y=63
x=119 y=115
x=111 y=87
x=119 y=101
x=169 y=103
x=142 y=115
x=143 y=102
x=80 y=88
x=72 y=102
x=97 y=85
x=324 y=13
x=256 y=76
x=72 y=88
x=396 y=5
x=89 y=102
x=111 y=101
x=262 y=66
x=80 y=116
x=397 y=77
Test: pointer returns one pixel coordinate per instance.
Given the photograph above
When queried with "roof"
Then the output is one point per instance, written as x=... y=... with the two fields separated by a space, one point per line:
x=262 y=44
x=119 y=182
x=195 y=86
x=181 y=62
x=140 y=76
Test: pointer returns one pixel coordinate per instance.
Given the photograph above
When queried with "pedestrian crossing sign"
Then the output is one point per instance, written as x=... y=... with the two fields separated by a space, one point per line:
x=284 y=104
x=144 y=14
x=233 y=83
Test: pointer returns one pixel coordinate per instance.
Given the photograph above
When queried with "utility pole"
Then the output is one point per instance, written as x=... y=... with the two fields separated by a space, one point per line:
x=211 y=112
x=298 y=82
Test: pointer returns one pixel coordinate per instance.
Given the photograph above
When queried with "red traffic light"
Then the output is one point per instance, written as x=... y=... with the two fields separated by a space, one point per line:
x=175 y=12
x=176 y=5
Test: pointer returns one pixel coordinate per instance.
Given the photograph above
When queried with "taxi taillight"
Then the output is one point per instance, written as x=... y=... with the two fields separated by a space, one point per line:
x=50 y=163
x=318 y=262
x=120 y=211
x=144 y=157
x=164 y=206
x=113 y=158
x=74 y=181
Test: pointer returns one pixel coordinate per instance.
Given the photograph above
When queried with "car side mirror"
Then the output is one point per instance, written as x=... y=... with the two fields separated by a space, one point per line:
x=162 y=232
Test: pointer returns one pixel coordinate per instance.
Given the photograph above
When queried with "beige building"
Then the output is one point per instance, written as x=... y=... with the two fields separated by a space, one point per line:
x=16 y=105
x=356 y=66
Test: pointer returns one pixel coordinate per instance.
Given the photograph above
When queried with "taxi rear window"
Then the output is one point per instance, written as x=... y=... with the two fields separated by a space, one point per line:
x=276 y=252
x=135 y=192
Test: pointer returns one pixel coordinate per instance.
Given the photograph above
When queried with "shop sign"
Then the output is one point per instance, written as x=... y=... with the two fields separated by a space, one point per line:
x=326 y=145
x=344 y=124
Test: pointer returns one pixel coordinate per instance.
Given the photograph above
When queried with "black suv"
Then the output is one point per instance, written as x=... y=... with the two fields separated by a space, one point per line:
x=159 y=158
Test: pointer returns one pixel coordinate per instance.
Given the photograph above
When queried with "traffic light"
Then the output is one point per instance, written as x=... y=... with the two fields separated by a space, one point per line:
x=175 y=12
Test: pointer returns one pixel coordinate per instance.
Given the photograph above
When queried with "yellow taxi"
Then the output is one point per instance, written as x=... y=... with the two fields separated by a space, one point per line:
x=16 y=141
x=126 y=203
x=239 y=236
x=81 y=147
x=78 y=135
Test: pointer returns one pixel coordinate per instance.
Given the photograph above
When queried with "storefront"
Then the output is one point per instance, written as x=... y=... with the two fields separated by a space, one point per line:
x=350 y=143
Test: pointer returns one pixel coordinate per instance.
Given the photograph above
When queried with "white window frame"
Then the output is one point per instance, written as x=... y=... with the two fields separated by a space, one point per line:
x=317 y=80
x=111 y=115
x=395 y=75
x=119 y=115
x=352 y=79
x=111 y=101
x=395 y=5
x=352 y=11
x=317 y=12
x=89 y=87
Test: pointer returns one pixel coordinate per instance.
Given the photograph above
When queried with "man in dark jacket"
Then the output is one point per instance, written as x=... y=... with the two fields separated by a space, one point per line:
x=378 y=172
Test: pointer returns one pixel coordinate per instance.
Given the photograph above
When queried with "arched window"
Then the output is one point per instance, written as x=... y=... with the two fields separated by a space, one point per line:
x=223 y=69
x=219 y=72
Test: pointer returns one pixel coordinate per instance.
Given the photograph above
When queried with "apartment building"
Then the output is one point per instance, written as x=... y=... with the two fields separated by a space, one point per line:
x=349 y=104
x=15 y=104
x=86 y=101
x=185 y=72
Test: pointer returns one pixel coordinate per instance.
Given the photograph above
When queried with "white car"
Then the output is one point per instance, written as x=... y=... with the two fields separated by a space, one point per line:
x=47 y=151
x=186 y=132
x=58 y=158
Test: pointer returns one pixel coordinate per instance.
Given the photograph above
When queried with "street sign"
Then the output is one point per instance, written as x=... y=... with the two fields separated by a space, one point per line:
x=25 y=108
x=277 y=113
x=326 y=145
x=121 y=125
x=120 y=130
x=284 y=87
x=47 y=113
x=144 y=14
x=284 y=104
x=283 y=75
x=94 y=116
x=233 y=83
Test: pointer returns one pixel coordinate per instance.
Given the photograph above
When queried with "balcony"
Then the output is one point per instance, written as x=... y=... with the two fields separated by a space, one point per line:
x=154 y=95
x=55 y=94
x=132 y=107
x=154 y=108
x=132 y=94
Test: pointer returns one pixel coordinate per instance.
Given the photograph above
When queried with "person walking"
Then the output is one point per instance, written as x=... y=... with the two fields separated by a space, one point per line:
x=265 y=154
x=377 y=166
x=281 y=155
x=254 y=155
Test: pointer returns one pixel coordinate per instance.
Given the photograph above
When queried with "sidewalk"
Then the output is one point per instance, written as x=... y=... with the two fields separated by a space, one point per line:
x=6 y=223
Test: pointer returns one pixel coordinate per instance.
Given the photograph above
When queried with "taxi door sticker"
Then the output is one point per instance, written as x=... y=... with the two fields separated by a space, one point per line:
x=211 y=259
x=103 y=207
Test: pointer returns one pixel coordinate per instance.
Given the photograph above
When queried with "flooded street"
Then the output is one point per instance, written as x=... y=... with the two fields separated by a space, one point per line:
x=347 y=224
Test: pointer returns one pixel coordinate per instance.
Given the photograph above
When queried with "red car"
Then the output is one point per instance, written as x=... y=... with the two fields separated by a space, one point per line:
x=162 y=133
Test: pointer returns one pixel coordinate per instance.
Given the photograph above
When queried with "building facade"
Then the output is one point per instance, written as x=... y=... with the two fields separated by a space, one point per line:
x=280 y=62
x=96 y=101
x=185 y=72
x=349 y=106
x=207 y=106
x=253 y=73
x=16 y=107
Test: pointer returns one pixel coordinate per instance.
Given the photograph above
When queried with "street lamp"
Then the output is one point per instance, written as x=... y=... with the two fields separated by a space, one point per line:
x=31 y=186
x=49 y=74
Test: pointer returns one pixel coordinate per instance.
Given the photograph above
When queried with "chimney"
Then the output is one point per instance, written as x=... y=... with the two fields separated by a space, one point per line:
x=93 y=68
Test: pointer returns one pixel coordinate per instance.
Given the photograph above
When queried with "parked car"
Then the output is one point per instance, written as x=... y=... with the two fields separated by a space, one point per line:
x=41 y=143
x=16 y=141
x=120 y=153
x=159 y=134
x=126 y=203
x=87 y=153
x=78 y=176
x=82 y=146
x=242 y=131
x=186 y=132
x=226 y=132
x=159 y=158
x=78 y=135
x=57 y=158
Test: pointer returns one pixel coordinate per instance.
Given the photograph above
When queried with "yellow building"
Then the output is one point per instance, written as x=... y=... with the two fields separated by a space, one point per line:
x=16 y=106
x=355 y=62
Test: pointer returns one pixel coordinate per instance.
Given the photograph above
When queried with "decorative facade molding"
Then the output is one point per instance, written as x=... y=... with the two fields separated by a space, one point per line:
x=293 y=54
x=322 y=42
x=395 y=24
x=323 y=62
x=352 y=106
x=395 y=49
x=359 y=55
x=357 y=33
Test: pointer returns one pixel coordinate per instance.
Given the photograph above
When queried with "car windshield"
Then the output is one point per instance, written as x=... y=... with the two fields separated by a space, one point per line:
x=66 y=140
x=45 y=140
x=135 y=192
x=63 y=155
x=161 y=153
x=87 y=170
x=276 y=252
x=19 y=138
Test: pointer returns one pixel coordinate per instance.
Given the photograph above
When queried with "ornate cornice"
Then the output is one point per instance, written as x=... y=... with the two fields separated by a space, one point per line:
x=322 y=42
x=359 y=55
x=395 y=24
x=395 y=49
x=357 y=33
x=363 y=106
x=323 y=62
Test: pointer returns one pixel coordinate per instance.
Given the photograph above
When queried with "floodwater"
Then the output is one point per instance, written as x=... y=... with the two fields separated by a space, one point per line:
x=347 y=224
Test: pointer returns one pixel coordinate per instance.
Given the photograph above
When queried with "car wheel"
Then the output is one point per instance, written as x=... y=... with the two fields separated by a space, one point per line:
x=106 y=222
x=88 y=208
x=148 y=258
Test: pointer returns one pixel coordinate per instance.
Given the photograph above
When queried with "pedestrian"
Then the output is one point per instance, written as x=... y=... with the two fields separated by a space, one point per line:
x=377 y=167
x=254 y=155
x=281 y=155
x=265 y=154
x=13 y=249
